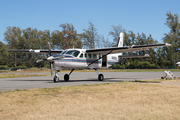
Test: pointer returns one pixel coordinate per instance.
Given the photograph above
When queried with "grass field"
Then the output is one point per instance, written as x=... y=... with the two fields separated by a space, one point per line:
x=20 y=75
x=123 y=100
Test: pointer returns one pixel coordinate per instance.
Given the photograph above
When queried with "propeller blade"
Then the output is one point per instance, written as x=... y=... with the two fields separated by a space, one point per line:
x=49 y=48
x=51 y=66
x=41 y=60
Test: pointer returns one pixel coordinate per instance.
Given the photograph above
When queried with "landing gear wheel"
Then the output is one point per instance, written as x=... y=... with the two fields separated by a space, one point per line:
x=56 y=79
x=100 y=77
x=66 y=77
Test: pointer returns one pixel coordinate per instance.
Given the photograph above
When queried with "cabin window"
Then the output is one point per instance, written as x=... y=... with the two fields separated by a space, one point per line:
x=114 y=58
x=81 y=56
x=85 y=55
x=94 y=56
x=100 y=56
x=89 y=55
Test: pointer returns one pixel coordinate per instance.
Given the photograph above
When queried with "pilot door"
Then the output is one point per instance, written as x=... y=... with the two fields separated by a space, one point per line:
x=104 y=61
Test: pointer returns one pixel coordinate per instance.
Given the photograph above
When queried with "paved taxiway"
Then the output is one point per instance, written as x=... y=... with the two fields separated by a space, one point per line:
x=76 y=78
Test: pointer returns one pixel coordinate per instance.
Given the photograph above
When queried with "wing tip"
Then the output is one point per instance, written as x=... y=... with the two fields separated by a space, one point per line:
x=167 y=44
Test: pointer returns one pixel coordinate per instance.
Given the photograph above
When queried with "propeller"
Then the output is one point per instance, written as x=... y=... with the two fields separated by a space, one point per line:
x=51 y=60
x=51 y=63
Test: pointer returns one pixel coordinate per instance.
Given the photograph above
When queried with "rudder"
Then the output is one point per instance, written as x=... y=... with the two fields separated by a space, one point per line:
x=120 y=40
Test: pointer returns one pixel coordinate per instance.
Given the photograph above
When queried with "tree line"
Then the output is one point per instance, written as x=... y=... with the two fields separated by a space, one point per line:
x=68 y=37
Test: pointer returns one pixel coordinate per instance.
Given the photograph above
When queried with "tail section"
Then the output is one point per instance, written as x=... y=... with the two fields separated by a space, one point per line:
x=120 y=40
x=119 y=44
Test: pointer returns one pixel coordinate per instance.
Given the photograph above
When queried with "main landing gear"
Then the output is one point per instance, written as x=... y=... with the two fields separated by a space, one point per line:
x=66 y=76
x=100 y=76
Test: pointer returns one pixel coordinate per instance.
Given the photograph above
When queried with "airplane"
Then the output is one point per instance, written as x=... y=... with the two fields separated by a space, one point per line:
x=178 y=63
x=88 y=58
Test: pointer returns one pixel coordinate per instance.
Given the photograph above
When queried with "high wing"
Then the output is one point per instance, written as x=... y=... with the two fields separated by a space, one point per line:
x=38 y=51
x=132 y=48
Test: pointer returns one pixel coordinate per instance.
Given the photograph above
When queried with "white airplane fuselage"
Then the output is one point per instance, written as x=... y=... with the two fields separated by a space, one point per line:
x=84 y=61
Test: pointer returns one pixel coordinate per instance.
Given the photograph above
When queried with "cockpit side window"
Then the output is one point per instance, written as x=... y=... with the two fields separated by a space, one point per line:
x=81 y=56
x=76 y=53
x=63 y=52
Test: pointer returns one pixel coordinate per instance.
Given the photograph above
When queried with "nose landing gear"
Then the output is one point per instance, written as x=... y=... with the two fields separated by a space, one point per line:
x=56 y=77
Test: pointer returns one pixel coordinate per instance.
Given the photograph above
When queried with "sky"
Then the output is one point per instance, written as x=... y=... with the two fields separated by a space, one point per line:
x=147 y=16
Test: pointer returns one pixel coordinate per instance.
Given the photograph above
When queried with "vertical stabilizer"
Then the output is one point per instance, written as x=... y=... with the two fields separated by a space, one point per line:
x=120 y=41
x=119 y=44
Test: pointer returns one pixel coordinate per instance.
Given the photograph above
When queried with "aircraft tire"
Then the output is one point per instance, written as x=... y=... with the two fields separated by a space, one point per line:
x=100 y=77
x=66 y=77
x=56 y=79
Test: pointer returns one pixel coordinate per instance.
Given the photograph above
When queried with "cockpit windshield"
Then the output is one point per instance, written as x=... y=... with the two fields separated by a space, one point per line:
x=74 y=53
x=63 y=52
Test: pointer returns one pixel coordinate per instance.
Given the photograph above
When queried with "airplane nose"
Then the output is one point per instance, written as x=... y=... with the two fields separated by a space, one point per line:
x=50 y=58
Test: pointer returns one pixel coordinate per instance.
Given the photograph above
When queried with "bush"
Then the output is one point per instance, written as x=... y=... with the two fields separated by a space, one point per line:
x=22 y=67
x=135 y=65
x=118 y=66
x=47 y=66
x=4 y=67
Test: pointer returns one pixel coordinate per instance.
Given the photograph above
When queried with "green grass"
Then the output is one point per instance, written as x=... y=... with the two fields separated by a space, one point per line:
x=3 y=71
x=21 y=75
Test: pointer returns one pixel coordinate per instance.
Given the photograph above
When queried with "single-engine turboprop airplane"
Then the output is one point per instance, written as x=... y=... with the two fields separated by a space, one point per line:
x=88 y=58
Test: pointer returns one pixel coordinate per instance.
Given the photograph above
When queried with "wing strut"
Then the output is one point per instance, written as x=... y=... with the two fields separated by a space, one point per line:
x=100 y=58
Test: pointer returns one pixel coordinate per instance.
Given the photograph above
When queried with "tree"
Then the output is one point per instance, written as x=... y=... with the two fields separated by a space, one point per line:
x=32 y=40
x=173 y=37
x=67 y=38
x=89 y=36
x=74 y=37
x=3 y=54
x=115 y=33
x=57 y=40
x=101 y=42
x=12 y=38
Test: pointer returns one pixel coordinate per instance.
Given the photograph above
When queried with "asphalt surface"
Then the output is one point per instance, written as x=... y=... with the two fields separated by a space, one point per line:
x=76 y=78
